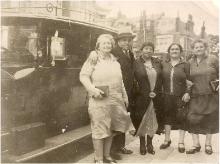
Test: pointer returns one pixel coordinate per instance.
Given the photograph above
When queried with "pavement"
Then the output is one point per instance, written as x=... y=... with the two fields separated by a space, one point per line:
x=169 y=155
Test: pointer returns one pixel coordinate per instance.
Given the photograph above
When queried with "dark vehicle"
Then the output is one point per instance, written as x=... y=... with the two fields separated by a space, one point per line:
x=40 y=89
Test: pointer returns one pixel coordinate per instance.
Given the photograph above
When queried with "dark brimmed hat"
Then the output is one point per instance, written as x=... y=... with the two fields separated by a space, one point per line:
x=125 y=33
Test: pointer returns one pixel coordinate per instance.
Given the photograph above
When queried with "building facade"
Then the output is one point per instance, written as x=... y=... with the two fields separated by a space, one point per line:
x=169 y=30
x=162 y=31
x=146 y=29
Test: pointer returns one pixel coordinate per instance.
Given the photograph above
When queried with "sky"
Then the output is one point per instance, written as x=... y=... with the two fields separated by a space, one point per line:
x=203 y=10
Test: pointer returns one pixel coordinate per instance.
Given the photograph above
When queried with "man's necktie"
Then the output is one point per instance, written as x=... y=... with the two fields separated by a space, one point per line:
x=127 y=53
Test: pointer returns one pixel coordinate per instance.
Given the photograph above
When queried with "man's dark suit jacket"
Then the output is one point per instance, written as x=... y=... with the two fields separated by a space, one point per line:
x=127 y=68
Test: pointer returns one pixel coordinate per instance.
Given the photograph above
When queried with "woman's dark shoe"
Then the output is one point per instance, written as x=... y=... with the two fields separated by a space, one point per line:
x=116 y=155
x=208 y=149
x=194 y=150
x=198 y=148
x=143 y=150
x=150 y=149
x=165 y=145
x=125 y=151
x=109 y=160
x=181 y=147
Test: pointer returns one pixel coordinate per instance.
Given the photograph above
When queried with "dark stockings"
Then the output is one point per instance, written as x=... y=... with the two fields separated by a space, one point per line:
x=150 y=148
x=143 y=150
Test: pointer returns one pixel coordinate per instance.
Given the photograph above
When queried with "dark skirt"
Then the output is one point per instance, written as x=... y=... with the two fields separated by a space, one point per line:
x=203 y=116
x=171 y=105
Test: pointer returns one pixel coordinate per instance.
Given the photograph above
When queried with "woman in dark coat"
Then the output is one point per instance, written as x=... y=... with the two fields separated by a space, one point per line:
x=148 y=97
x=203 y=113
x=175 y=74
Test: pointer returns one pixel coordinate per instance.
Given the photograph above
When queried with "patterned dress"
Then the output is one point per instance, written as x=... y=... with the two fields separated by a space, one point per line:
x=108 y=114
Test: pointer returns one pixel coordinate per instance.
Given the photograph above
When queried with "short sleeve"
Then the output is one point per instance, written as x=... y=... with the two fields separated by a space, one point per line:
x=88 y=66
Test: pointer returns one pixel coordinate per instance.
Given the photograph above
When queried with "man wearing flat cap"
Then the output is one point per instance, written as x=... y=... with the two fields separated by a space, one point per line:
x=126 y=59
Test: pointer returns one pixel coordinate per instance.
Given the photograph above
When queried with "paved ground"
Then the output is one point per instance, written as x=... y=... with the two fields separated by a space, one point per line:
x=170 y=155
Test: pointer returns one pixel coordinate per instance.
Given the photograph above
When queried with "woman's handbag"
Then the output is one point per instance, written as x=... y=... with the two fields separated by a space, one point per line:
x=182 y=111
x=214 y=85
x=105 y=89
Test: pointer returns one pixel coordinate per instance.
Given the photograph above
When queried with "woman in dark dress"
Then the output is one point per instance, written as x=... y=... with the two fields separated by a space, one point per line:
x=175 y=74
x=203 y=113
x=148 y=97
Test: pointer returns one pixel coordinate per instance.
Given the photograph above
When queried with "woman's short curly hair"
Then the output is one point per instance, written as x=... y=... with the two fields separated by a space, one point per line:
x=199 y=41
x=177 y=44
x=145 y=44
x=103 y=36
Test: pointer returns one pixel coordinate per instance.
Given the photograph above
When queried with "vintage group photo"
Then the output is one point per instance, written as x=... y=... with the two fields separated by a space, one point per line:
x=99 y=81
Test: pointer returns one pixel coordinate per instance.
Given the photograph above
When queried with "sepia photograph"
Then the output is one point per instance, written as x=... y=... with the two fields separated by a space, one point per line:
x=107 y=81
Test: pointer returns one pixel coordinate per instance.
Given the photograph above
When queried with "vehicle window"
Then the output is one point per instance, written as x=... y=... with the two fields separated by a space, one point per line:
x=19 y=44
x=77 y=48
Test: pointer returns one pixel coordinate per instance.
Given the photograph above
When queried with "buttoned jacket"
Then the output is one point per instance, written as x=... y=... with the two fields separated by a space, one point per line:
x=201 y=74
x=127 y=68
x=174 y=78
x=143 y=88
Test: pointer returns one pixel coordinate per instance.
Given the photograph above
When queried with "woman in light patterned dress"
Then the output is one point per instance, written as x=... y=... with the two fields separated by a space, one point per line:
x=148 y=101
x=107 y=112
